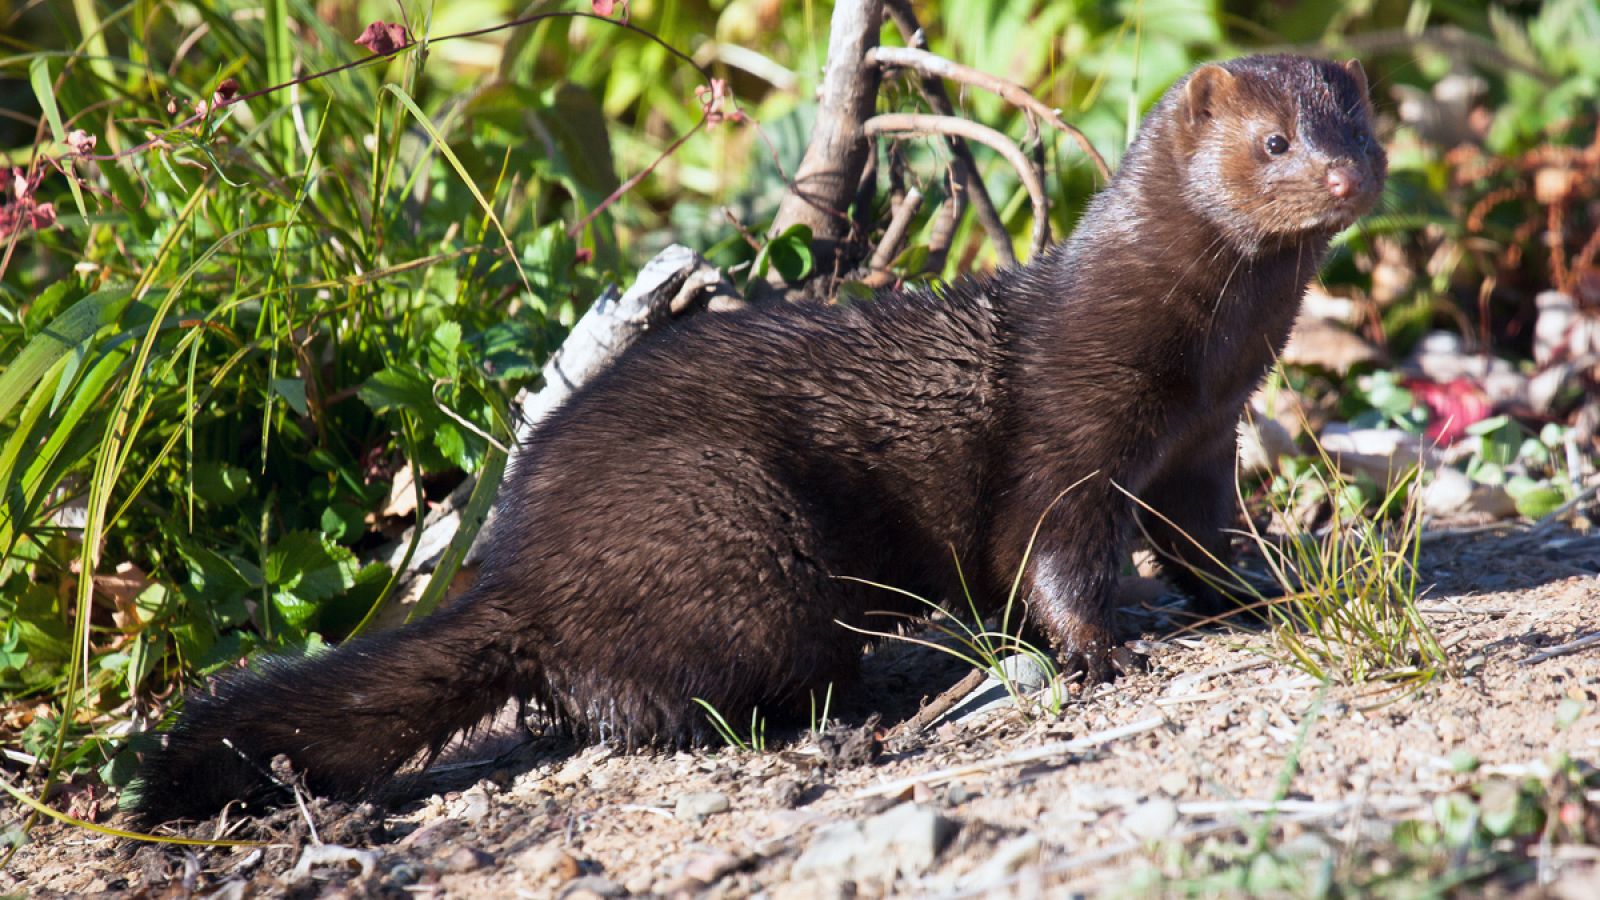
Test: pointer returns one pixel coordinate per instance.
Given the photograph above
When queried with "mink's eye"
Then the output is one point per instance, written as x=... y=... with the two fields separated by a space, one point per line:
x=1277 y=144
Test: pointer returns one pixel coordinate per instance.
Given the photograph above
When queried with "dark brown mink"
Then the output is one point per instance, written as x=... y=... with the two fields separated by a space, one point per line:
x=690 y=524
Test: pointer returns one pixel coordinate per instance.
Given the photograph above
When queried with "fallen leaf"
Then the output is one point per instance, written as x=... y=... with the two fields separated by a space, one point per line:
x=384 y=37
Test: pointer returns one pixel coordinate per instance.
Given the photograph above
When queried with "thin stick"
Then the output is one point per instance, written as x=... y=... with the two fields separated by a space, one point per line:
x=952 y=126
x=894 y=236
x=944 y=224
x=1563 y=649
x=936 y=66
x=940 y=705
x=962 y=162
x=1032 y=754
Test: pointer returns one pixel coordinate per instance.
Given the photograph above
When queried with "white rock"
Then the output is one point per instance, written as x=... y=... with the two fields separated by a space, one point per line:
x=1152 y=820
x=904 y=840
x=1447 y=493
x=1262 y=442
x=911 y=835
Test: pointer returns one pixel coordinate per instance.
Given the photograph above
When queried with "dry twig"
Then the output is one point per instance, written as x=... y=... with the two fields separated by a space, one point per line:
x=962 y=164
x=1563 y=649
x=1021 y=757
x=894 y=236
x=940 y=704
x=951 y=126
x=938 y=67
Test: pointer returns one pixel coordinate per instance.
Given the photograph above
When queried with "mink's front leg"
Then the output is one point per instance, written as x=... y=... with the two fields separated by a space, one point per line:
x=1196 y=502
x=1069 y=585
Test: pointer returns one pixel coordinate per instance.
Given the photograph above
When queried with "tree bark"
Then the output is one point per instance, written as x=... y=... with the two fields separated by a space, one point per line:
x=825 y=183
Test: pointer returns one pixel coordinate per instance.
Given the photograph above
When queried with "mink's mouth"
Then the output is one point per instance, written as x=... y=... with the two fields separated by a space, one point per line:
x=1342 y=213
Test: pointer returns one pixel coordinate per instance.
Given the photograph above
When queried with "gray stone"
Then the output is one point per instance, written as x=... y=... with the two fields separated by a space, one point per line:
x=709 y=866
x=911 y=835
x=466 y=859
x=547 y=861
x=1027 y=676
x=474 y=804
x=831 y=854
x=591 y=886
x=697 y=808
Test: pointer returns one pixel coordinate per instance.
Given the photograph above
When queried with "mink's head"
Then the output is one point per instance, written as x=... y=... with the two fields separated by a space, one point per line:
x=1278 y=146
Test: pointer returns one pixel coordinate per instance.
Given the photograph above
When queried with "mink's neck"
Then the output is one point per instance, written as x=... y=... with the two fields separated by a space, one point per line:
x=1146 y=275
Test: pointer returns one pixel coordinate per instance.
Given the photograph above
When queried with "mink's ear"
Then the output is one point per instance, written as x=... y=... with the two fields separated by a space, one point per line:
x=1204 y=90
x=1353 y=66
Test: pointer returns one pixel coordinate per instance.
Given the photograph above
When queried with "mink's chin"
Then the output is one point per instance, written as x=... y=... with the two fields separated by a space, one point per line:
x=1340 y=215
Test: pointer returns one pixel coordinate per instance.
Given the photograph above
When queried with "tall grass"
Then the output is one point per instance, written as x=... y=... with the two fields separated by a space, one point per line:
x=215 y=370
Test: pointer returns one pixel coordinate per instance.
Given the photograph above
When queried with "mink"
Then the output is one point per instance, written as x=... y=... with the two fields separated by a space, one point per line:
x=702 y=520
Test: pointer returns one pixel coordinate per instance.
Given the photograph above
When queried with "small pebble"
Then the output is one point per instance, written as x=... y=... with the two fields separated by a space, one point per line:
x=547 y=861
x=1007 y=859
x=1173 y=783
x=466 y=859
x=696 y=808
x=787 y=792
x=592 y=887
x=708 y=867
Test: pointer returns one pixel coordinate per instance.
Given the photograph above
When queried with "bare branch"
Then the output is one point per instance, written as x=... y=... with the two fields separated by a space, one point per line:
x=962 y=163
x=944 y=226
x=954 y=126
x=894 y=236
x=938 y=67
x=830 y=171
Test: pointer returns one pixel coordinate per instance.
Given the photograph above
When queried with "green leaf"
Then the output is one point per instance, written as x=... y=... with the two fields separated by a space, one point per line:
x=395 y=388
x=1455 y=813
x=42 y=624
x=343 y=521
x=790 y=253
x=39 y=75
x=1568 y=712
x=304 y=569
x=1538 y=502
x=68 y=331
x=216 y=578
x=220 y=483
x=444 y=344
x=293 y=392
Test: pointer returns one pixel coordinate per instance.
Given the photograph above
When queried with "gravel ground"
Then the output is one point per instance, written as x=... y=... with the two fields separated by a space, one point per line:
x=1158 y=774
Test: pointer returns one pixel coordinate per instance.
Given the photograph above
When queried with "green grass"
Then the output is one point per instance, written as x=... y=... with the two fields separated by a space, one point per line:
x=753 y=740
x=215 y=370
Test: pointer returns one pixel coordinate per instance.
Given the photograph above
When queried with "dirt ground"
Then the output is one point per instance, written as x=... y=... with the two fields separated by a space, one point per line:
x=1162 y=775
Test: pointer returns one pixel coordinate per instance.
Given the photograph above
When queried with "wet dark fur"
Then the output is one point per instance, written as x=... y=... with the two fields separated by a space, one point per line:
x=677 y=530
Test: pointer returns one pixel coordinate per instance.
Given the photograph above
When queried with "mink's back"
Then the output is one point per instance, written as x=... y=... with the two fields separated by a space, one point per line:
x=800 y=447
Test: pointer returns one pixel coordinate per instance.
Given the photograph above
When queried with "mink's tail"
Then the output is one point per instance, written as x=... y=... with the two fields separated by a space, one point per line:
x=345 y=719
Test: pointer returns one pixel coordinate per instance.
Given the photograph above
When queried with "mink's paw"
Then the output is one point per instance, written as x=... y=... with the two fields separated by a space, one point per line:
x=1101 y=664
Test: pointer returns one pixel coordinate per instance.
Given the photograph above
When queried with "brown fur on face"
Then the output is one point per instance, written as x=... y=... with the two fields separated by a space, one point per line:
x=692 y=523
x=1321 y=113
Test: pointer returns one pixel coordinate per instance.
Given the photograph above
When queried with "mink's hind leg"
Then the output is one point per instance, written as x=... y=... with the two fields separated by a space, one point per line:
x=1194 y=504
x=689 y=574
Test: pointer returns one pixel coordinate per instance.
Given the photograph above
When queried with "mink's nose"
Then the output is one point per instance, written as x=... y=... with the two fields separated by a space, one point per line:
x=1344 y=182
